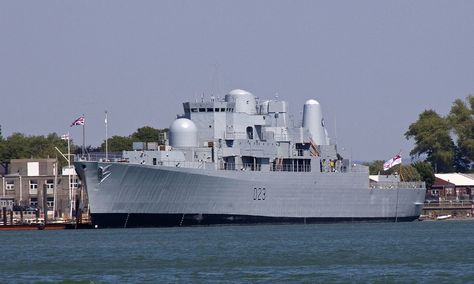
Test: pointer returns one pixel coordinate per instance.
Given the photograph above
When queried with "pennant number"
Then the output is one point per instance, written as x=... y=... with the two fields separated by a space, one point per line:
x=259 y=193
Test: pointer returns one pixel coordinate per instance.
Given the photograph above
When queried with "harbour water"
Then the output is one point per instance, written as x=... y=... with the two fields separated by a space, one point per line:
x=417 y=252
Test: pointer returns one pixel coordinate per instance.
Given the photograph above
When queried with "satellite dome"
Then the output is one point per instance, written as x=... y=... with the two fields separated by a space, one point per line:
x=239 y=92
x=311 y=102
x=183 y=133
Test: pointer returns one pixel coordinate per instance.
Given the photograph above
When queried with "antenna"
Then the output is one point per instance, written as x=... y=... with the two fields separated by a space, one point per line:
x=106 y=138
x=215 y=80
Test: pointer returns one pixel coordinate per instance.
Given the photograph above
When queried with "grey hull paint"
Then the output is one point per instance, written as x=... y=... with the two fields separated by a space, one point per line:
x=142 y=189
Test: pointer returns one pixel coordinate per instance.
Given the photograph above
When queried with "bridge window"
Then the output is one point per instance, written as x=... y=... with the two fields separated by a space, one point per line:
x=250 y=132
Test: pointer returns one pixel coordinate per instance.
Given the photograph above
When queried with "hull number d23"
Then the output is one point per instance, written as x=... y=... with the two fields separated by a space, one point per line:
x=259 y=193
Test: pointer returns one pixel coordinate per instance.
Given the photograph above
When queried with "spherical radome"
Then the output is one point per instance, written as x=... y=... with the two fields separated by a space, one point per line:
x=183 y=133
x=239 y=92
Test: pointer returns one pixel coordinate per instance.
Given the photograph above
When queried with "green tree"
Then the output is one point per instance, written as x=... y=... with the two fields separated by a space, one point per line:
x=408 y=173
x=425 y=170
x=375 y=167
x=119 y=144
x=431 y=134
x=144 y=134
x=461 y=120
x=20 y=146
x=147 y=134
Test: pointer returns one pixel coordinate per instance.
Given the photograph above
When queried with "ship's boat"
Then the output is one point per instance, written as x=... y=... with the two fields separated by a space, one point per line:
x=241 y=160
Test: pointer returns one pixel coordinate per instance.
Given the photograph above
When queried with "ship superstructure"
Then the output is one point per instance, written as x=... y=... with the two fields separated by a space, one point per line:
x=241 y=160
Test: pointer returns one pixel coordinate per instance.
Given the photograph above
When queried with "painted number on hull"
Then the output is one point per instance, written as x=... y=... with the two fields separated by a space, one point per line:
x=259 y=193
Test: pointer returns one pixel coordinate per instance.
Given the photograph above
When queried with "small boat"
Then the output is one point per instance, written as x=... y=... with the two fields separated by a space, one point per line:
x=444 y=217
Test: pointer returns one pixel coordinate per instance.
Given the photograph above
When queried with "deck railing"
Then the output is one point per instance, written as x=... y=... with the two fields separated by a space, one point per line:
x=99 y=157
x=290 y=168
x=399 y=185
x=240 y=167
x=449 y=204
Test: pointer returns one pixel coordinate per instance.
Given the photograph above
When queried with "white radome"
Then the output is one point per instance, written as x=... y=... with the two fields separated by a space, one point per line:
x=311 y=102
x=244 y=101
x=313 y=121
x=239 y=92
x=183 y=133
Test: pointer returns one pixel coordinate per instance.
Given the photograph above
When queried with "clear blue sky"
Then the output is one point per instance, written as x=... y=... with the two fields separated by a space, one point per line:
x=373 y=65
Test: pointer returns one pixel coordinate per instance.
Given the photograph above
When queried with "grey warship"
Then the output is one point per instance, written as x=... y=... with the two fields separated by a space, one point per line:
x=239 y=160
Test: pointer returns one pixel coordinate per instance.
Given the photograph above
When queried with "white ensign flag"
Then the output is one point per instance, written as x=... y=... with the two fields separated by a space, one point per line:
x=392 y=162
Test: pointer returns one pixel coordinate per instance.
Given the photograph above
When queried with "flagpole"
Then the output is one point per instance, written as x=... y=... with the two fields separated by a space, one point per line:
x=106 y=140
x=68 y=151
x=84 y=138
x=69 y=174
x=401 y=176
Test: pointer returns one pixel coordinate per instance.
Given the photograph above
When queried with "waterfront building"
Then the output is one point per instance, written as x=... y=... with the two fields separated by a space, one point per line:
x=451 y=187
x=35 y=185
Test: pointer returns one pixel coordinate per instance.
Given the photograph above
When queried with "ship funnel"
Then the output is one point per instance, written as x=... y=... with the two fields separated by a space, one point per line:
x=183 y=133
x=313 y=121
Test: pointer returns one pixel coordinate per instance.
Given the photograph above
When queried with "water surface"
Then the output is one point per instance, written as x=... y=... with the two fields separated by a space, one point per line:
x=417 y=252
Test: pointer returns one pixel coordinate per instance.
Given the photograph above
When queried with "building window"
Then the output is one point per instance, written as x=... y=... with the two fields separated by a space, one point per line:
x=33 y=186
x=10 y=185
x=194 y=110
x=74 y=182
x=34 y=201
x=50 y=201
x=210 y=110
x=222 y=109
x=6 y=203
x=202 y=110
x=50 y=184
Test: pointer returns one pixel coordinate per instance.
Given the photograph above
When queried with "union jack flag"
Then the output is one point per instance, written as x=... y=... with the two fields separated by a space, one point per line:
x=78 y=121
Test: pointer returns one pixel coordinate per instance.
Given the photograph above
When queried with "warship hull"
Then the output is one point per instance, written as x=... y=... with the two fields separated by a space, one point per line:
x=125 y=195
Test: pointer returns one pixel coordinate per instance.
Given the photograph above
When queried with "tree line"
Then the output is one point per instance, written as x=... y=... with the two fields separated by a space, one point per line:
x=443 y=144
x=21 y=146
x=125 y=143
x=446 y=142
